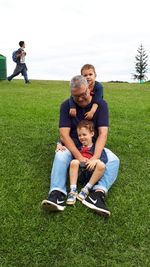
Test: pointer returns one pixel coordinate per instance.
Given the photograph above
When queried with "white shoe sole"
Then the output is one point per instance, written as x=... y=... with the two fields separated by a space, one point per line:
x=70 y=202
x=100 y=211
x=51 y=206
x=79 y=198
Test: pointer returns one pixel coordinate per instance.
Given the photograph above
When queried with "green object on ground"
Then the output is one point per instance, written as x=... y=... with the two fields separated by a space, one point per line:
x=3 y=69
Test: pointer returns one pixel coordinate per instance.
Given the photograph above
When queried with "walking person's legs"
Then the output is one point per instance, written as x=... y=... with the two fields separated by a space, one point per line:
x=25 y=74
x=9 y=78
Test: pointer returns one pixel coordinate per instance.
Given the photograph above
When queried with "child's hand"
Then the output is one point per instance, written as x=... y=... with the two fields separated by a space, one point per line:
x=60 y=147
x=73 y=112
x=90 y=164
x=89 y=115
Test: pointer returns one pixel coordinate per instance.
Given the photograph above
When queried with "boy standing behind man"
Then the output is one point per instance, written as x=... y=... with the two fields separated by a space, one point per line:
x=96 y=91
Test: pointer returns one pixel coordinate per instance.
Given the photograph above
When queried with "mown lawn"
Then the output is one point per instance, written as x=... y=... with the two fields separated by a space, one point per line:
x=76 y=237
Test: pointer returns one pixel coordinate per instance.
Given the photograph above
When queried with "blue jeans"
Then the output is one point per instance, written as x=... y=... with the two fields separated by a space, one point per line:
x=61 y=163
x=20 y=68
x=24 y=74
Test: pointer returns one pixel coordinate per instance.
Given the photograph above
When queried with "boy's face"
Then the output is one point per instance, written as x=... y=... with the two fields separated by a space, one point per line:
x=90 y=75
x=85 y=136
x=23 y=46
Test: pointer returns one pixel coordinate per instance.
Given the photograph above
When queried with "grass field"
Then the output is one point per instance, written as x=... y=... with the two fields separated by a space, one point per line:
x=76 y=237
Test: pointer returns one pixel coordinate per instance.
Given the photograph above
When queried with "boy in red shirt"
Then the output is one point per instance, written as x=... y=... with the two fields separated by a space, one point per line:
x=93 y=170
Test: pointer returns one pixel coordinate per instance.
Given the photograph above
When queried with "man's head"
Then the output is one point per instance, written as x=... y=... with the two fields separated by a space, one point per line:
x=22 y=44
x=80 y=91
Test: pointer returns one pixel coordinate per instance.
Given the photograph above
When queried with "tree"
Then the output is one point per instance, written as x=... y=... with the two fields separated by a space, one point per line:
x=140 y=65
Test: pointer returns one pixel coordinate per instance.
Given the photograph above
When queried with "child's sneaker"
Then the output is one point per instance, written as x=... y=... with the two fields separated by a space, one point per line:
x=83 y=194
x=71 y=199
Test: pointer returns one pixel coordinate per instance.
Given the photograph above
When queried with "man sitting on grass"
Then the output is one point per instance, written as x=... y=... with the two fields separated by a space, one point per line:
x=68 y=136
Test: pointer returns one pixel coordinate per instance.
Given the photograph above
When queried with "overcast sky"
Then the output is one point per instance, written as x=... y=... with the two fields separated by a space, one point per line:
x=63 y=35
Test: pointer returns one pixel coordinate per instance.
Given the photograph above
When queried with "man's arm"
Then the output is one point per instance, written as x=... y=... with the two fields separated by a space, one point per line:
x=19 y=53
x=100 y=142
x=68 y=142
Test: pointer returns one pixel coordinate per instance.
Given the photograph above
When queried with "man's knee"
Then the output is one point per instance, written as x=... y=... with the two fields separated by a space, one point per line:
x=62 y=155
x=112 y=157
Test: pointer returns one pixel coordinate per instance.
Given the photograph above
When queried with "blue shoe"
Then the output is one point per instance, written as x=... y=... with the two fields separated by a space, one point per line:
x=83 y=194
x=71 y=200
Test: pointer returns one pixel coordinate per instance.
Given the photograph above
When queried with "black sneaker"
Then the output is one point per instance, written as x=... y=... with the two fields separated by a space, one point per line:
x=8 y=79
x=55 y=201
x=95 y=201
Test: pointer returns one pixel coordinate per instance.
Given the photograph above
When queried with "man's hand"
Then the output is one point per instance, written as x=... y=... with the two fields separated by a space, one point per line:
x=82 y=159
x=60 y=147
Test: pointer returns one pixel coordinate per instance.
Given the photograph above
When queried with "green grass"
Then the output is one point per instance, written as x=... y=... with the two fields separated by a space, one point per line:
x=76 y=237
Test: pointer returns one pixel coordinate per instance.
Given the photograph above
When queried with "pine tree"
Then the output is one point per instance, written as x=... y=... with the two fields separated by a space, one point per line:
x=140 y=65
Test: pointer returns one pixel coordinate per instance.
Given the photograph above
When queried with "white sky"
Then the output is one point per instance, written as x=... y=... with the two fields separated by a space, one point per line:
x=63 y=35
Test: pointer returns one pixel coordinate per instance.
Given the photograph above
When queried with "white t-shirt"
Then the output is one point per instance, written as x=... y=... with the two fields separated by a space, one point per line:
x=22 y=58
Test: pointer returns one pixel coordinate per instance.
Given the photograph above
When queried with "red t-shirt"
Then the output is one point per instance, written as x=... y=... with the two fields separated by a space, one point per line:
x=86 y=152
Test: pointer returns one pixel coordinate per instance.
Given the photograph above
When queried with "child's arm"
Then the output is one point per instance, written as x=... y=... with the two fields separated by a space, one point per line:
x=89 y=115
x=98 y=92
x=98 y=95
x=72 y=111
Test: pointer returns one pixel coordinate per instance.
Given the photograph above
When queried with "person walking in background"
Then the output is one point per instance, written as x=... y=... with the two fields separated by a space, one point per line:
x=96 y=90
x=21 y=68
x=91 y=171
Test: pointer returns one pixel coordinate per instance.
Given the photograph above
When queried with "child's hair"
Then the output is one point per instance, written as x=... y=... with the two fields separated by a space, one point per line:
x=89 y=125
x=87 y=67
x=21 y=43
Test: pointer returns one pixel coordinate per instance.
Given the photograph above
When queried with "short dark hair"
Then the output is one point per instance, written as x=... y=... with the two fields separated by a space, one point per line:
x=89 y=125
x=21 y=43
x=87 y=67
